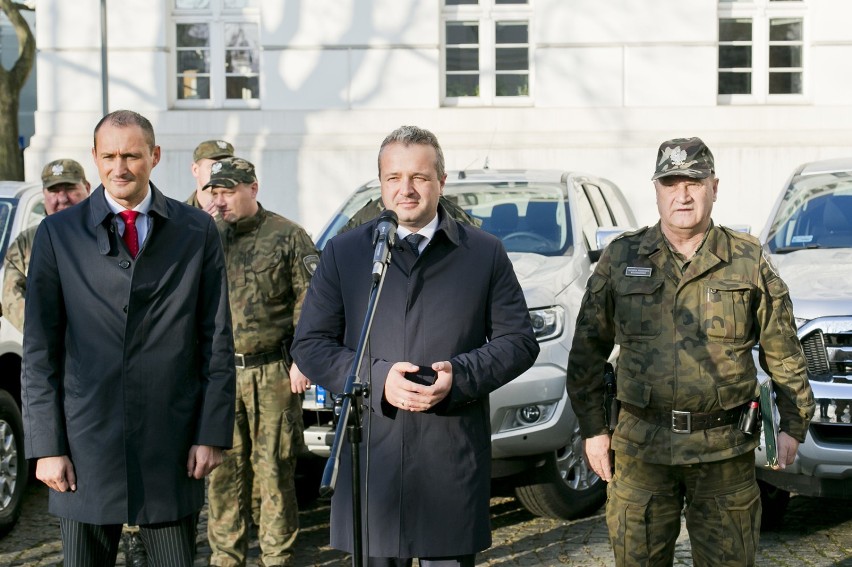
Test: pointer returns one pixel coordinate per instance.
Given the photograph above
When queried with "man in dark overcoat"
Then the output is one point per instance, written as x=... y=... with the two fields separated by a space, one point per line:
x=450 y=303
x=128 y=366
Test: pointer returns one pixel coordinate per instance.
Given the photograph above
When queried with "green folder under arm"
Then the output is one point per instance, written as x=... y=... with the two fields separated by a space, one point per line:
x=770 y=423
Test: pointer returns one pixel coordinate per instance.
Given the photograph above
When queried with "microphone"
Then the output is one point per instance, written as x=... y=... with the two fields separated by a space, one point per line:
x=384 y=239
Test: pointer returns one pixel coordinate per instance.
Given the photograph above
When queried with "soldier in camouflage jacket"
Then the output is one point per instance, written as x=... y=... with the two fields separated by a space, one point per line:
x=63 y=184
x=270 y=261
x=686 y=301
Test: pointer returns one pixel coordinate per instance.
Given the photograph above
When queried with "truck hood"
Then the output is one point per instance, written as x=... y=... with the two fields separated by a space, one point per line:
x=543 y=277
x=818 y=281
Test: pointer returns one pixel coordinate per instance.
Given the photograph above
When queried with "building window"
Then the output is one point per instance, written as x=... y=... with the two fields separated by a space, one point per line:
x=217 y=53
x=761 y=50
x=486 y=52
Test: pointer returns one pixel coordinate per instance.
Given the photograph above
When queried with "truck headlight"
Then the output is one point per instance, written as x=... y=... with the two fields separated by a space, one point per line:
x=547 y=322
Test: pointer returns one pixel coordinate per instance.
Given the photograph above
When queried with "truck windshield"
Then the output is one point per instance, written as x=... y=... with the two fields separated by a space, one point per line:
x=816 y=213
x=526 y=216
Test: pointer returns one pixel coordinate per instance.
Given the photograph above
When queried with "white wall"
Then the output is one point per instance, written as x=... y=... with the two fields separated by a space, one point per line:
x=611 y=81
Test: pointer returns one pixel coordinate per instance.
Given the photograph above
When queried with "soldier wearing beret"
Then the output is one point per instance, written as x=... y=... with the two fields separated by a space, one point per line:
x=64 y=184
x=686 y=300
x=270 y=261
x=205 y=155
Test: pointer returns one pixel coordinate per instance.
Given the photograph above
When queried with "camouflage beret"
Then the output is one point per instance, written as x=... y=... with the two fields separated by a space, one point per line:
x=213 y=149
x=230 y=172
x=688 y=157
x=62 y=171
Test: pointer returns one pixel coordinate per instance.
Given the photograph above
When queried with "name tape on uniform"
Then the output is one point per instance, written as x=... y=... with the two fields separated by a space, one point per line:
x=635 y=272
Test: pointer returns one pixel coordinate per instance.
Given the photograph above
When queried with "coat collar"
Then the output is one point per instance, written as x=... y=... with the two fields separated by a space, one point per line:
x=716 y=249
x=446 y=224
x=718 y=243
x=247 y=224
x=101 y=215
x=101 y=211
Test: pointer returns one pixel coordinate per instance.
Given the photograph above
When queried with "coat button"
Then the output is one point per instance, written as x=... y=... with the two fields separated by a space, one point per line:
x=124 y=264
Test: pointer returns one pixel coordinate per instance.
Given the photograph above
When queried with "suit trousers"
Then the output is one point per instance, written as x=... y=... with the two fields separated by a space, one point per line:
x=168 y=544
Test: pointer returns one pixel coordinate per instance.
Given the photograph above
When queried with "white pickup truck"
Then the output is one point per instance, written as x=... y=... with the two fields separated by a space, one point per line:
x=550 y=222
x=809 y=239
x=21 y=206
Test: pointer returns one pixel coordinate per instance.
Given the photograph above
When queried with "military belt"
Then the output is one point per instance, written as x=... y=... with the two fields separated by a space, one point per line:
x=684 y=421
x=252 y=360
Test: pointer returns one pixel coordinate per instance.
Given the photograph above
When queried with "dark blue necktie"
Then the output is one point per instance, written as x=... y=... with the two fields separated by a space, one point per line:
x=413 y=241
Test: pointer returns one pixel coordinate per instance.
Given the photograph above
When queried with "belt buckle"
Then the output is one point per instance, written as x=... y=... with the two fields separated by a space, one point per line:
x=240 y=360
x=675 y=415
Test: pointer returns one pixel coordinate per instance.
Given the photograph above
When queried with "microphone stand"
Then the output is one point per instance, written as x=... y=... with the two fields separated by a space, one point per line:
x=350 y=417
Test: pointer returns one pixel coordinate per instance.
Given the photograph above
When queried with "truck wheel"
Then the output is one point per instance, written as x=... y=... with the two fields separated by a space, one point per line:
x=773 y=501
x=564 y=487
x=13 y=465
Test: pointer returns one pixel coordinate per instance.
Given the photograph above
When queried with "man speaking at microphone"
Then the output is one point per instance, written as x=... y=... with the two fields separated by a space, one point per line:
x=451 y=326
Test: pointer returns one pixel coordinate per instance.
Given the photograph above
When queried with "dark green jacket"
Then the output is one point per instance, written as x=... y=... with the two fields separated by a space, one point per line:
x=686 y=343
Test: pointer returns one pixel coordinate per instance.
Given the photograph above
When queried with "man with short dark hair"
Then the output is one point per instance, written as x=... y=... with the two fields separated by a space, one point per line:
x=451 y=309
x=687 y=301
x=205 y=155
x=128 y=364
x=64 y=184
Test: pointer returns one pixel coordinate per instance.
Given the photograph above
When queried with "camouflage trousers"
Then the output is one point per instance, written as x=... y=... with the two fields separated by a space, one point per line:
x=267 y=425
x=721 y=502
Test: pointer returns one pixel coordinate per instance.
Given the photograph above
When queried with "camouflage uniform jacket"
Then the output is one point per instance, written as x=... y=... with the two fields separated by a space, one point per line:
x=270 y=261
x=17 y=263
x=686 y=343
x=192 y=200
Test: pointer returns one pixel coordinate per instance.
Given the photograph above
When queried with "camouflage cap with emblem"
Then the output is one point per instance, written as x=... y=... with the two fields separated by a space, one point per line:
x=213 y=149
x=687 y=157
x=62 y=171
x=230 y=172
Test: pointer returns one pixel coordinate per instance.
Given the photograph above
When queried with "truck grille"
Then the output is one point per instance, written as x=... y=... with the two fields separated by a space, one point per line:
x=828 y=354
x=815 y=353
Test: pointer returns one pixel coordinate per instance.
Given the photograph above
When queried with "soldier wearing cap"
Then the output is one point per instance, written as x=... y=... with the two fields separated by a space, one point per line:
x=270 y=261
x=686 y=300
x=64 y=184
x=205 y=155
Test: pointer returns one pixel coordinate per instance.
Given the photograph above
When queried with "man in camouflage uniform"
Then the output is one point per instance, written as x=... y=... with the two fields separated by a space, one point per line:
x=686 y=300
x=64 y=184
x=205 y=155
x=270 y=261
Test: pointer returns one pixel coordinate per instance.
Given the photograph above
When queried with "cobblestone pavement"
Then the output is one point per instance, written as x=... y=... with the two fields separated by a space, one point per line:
x=816 y=533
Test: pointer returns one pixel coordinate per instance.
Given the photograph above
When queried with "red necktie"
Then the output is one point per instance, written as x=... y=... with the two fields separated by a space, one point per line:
x=131 y=237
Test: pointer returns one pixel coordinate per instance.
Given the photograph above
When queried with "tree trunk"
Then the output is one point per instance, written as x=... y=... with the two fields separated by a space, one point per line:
x=11 y=82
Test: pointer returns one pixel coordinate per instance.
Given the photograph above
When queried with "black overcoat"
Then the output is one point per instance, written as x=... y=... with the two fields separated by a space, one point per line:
x=429 y=473
x=127 y=363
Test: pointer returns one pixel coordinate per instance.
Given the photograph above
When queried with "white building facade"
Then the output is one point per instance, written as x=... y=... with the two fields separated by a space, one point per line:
x=307 y=89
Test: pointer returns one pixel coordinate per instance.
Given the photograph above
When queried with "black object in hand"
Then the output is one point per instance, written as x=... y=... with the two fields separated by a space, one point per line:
x=424 y=375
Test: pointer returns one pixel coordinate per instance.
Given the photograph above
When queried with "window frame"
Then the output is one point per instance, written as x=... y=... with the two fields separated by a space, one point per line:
x=216 y=16
x=761 y=12
x=487 y=14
